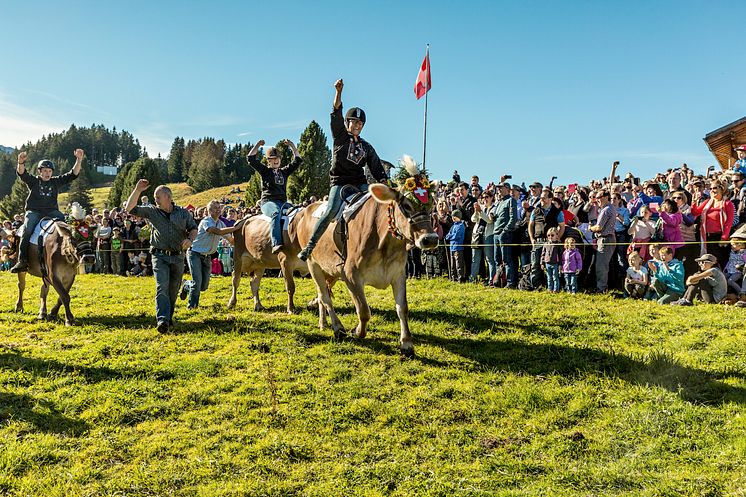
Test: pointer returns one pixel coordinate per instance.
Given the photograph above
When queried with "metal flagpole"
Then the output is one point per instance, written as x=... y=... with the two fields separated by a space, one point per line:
x=424 y=138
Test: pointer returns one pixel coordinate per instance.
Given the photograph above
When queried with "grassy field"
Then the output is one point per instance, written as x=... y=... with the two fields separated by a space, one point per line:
x=183 y=194
x=510 y=394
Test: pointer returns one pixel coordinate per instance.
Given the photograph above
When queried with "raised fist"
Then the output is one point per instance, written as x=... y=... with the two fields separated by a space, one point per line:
x=79 y=154
x=143 y=184
x=22 y=157
x=339 y=85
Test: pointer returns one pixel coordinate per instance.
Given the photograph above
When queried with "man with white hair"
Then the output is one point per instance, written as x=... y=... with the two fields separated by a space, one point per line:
x=173 y=231
x=199 y=255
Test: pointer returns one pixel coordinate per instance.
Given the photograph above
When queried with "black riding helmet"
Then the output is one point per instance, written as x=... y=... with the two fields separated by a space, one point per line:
x=356 y=113
x=45 y=163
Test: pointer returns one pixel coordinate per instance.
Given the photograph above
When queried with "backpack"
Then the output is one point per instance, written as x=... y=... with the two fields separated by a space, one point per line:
x=524 y=282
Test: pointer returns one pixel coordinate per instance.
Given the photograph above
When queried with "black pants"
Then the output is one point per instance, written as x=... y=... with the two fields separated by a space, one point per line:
x=703 y=289
x=713 y=247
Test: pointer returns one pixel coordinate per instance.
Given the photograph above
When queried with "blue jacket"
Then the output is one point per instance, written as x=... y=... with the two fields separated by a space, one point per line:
x=456 y=236
x=673 y=276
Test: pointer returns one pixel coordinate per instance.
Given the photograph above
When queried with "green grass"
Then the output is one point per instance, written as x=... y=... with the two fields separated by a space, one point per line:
x=514 y=394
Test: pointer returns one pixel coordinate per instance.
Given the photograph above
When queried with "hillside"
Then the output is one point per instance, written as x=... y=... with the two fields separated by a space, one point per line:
x=6 y=150
x=510 y=394
x=183 y=194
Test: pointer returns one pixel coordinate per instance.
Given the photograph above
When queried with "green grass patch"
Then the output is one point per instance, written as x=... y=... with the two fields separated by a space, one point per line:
x=511 y=393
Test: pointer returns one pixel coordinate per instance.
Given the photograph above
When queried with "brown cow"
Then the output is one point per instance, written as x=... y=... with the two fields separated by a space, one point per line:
x=252 y=254
x=375 y=256
x=61 y=257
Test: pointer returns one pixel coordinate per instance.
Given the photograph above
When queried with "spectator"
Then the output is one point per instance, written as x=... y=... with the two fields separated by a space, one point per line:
x=544 y=217
x=669 y=277
x=716 y=220
x=572 y=264
x=636 y=282
x=604 y=232
x=456 y=238
x=551 y=257
x=641 y=229
x=709 y=284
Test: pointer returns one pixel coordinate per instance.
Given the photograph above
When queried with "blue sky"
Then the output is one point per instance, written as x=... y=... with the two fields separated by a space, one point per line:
x=532 y=89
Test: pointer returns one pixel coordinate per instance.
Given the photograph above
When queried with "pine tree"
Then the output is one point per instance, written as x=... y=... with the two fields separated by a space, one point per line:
x=128 y=177
x=207 y=165
x=7 y=173
x=312 y=178
x=176 y=161
x=80 y=192
x=15 y=202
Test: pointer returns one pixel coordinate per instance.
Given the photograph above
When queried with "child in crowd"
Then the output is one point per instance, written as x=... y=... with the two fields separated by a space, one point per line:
x=572 y=264
x=709 y=283
x=116 y=250
x=140 y=267
x=636 y=281
x=642 y=230
x=551 y=257
x=456 y=237
x=734 y=269
x=669 y=276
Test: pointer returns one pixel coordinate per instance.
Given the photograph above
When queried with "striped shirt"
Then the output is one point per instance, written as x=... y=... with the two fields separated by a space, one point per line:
x=169 y=229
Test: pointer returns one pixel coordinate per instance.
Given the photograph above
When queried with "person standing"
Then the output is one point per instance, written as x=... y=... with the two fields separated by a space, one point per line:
x=42 y=198
x=605 y=233
x=543 y=217
x=505 y=220
x=199 y=255
x=350 y=156
x=274 y=186
x=172 y=232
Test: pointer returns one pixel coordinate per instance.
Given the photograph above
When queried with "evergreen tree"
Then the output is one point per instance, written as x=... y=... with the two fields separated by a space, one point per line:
x=206 y=170
x=80 y=192
x=312 y=178
x=15 y=202
x=129 y=176
x=254 y=188
x=176 y=161
x=7 y=173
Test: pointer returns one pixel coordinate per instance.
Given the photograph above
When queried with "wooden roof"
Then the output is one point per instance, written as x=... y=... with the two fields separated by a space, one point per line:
x=721 y=142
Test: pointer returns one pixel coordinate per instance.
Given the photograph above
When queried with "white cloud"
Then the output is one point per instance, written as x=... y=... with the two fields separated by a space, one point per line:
x=19 y=125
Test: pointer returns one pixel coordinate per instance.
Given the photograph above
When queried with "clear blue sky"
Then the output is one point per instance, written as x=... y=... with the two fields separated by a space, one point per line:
x=528 y=88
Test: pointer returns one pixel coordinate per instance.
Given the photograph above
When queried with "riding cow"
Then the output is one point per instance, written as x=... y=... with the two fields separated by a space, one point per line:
x=252 y=254
x=57 y=266
x=375 y=251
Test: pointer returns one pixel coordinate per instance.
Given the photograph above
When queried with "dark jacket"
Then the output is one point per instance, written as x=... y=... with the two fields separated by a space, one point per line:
x=42 y=195
x=274 y=181
x=350 y=157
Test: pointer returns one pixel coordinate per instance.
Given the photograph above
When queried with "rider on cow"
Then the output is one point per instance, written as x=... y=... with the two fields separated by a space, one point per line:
x=274 y=186
x=42 y=198
x=351 y=155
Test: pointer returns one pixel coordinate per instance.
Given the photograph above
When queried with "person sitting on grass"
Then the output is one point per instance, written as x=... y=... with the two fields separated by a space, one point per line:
x=669 y=277
x=709 y=283
x=734 y=269
x=636 y=281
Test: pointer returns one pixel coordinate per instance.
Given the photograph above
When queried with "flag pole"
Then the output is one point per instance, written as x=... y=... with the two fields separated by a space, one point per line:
x=424 y=137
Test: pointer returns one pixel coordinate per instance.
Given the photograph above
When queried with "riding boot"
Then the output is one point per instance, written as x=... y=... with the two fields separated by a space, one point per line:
x=306 y=252
x=22 y=264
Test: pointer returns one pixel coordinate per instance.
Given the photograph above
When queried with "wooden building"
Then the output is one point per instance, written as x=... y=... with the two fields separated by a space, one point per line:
x=721 y=142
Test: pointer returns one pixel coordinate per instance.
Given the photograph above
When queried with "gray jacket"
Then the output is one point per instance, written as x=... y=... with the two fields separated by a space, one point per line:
x=505 y=215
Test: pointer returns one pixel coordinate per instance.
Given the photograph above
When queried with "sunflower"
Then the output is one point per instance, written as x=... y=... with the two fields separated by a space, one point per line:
x=410 y=184
x=425 y=184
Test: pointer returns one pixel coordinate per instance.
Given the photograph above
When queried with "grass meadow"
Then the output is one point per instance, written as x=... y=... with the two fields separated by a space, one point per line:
x=510 y=394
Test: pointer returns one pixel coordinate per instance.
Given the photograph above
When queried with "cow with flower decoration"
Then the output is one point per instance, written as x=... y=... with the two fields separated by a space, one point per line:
x=377 y=237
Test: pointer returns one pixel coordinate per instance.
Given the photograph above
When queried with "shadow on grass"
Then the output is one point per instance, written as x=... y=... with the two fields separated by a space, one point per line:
x=41 y=413
x=46 y=367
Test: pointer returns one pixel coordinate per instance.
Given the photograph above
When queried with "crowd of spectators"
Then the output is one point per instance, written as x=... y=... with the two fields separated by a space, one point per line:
x=643 y=238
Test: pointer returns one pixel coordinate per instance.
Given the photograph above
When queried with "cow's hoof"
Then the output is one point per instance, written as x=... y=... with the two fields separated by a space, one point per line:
x=291 y=310
x=258 y=307
x=19 y=308
x=312 y=305
x=408 y=352
x=358 y=333
x=51 y=317
x=41 y=317
x=230 y=305
x=340 y=334
x=69 y=322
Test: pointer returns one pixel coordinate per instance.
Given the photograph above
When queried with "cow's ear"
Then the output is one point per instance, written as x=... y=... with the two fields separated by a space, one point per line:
x=383 y=193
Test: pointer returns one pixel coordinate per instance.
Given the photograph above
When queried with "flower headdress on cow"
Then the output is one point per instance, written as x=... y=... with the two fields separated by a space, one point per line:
x=414 y=184
x=77 y=219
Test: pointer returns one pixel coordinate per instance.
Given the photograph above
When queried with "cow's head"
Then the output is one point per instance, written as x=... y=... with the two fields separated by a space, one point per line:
x=82 y=238
x=415 y=200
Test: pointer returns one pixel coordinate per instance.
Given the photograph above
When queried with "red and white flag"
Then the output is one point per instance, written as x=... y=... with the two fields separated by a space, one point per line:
x=423 y=83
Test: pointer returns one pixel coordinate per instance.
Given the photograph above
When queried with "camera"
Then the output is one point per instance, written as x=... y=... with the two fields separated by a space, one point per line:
x=508 y=176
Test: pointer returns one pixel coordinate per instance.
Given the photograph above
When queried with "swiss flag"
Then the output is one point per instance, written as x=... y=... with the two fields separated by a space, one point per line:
x=423 y=83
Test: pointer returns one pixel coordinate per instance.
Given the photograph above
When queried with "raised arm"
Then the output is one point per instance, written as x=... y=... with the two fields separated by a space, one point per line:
x=79 y=156
x=21 y=165
x=140 y=187
x=338 y=94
